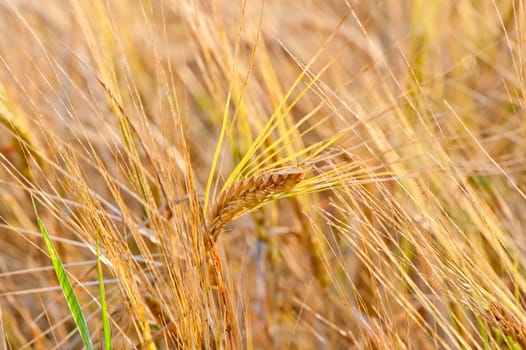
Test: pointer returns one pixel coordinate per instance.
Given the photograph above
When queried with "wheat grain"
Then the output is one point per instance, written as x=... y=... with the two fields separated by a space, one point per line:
x=249 y=194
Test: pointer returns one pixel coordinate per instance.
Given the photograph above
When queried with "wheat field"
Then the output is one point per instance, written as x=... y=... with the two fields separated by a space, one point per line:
x=179 y=174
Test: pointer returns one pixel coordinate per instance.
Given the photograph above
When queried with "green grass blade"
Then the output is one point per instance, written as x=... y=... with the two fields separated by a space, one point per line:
x=66 y=286
x=104 y=307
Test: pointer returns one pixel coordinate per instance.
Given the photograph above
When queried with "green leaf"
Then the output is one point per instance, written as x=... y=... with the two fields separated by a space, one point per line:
x=65 y=285
x=104 y=307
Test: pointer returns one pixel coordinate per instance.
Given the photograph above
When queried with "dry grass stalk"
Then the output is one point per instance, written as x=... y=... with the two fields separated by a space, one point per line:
x=163 y=319
x=249 y=194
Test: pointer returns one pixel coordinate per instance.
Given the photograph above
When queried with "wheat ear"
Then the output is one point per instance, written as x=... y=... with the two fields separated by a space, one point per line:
x=249 y=194
x=508 y=323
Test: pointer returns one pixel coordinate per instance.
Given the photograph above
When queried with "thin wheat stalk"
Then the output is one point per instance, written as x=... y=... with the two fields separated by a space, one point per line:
x=249 y=194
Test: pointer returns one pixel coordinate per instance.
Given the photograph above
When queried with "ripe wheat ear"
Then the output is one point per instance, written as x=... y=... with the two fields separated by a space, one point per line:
x=249 y=194
x=498 y=317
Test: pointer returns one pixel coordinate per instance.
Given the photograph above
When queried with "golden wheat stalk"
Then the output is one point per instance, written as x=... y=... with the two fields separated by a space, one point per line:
x=250 y=194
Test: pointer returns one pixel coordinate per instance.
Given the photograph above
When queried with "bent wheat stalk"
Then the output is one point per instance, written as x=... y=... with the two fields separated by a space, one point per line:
x=236 y=200
x=250 y=194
